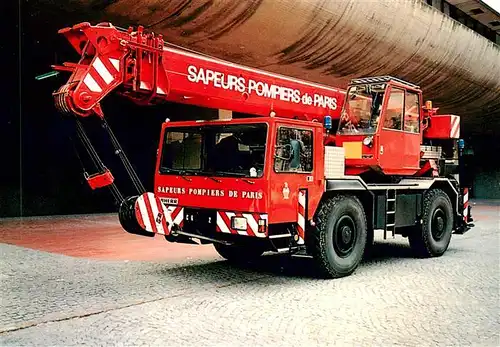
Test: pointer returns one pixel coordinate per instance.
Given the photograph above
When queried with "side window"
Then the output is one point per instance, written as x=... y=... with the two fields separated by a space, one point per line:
x=412 y=113
x=394 y=112
x=293 y=152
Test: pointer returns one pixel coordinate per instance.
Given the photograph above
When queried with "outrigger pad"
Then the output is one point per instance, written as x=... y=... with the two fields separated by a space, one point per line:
x=152 y=215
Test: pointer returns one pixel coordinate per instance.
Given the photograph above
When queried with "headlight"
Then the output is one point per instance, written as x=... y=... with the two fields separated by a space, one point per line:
x=239 y=223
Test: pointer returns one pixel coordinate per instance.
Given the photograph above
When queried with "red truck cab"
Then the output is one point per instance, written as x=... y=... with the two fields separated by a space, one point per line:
x=239 y=177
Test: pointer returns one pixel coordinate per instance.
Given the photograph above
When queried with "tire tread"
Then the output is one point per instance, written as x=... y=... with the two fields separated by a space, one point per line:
x=319 y=245
x=419 y=241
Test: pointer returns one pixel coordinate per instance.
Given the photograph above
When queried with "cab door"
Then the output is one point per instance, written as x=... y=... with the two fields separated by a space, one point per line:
x=411 y=129
x=391 y=136
x=294 y=168
x=399 y=138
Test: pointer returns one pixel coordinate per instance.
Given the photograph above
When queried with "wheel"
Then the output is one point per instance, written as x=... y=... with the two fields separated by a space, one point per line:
x=339 y=240
x=433 y=237
x=239 y=253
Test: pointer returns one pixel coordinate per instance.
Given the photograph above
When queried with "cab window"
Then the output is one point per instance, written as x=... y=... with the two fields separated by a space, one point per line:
x=293 y=152
x=412 y=113
x=394 y=112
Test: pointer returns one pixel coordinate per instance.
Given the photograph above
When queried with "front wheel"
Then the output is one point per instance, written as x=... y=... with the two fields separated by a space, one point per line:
x=340 y=237
x=433 y=237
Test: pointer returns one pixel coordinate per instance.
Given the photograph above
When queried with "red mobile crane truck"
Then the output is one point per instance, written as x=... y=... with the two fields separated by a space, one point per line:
x=280 y=179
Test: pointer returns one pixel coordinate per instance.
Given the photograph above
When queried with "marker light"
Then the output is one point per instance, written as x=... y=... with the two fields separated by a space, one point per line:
x=367 y=141
x=46 y=75
x=262 y=226
x=461 y=143
x=328 y=122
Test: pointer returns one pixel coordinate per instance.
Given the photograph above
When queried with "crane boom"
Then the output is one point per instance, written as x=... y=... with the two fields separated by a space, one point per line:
x=143 y=67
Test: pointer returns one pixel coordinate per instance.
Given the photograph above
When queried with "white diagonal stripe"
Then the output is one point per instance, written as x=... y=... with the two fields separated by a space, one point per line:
x=466 y=197
x=251 y=222
x=301 y=221
x=160 y=91
x=91 y=84
x=116 y=63
x=222 y=225
x=168 y=216
x=302 y=199
x=154 y=209
x=179 y=217
x=102 y=71
x=455 y=130
x=144 y=213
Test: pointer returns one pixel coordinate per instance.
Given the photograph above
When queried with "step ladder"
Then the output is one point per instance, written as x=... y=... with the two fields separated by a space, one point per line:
x=390 y=213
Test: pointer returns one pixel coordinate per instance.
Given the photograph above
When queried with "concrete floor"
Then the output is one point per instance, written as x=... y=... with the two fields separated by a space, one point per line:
x=82 y=281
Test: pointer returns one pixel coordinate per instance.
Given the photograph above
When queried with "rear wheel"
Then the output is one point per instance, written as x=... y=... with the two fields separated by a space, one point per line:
x=433 y=237
x=239 y=253
x=340 y=237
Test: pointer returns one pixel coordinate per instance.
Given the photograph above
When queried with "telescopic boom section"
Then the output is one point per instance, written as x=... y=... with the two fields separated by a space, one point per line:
x=143 y=67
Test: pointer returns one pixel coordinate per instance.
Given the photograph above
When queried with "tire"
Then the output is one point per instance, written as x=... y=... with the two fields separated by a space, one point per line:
x=339 y=240
x=433 y=237
x=239 y=253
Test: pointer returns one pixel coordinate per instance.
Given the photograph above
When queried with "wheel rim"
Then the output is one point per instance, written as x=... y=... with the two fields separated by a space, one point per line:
x=438 y=224
x=344 y=236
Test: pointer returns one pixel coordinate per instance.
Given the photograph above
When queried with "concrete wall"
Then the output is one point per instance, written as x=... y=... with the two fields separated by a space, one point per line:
x=325 y=41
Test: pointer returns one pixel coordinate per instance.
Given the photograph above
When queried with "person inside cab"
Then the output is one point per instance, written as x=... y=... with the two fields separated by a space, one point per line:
x=297 y=151
x=227 y=153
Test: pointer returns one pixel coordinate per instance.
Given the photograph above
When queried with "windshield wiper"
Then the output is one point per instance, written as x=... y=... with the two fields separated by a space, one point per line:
x=180 y=172
x=228 y=173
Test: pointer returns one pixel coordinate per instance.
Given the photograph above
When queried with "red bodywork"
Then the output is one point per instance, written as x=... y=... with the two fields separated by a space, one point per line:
x=393 y=152
x=443 y=127
x=148 y=70
x=144 y=68
x=253 y=195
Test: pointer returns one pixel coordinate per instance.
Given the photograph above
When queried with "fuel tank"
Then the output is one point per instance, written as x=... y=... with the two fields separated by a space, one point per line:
x=330 y=42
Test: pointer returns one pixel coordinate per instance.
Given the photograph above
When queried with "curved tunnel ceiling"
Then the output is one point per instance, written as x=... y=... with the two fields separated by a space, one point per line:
x=331 y=42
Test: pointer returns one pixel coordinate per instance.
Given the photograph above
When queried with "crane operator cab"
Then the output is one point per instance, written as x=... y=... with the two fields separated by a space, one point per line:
x=380 y=127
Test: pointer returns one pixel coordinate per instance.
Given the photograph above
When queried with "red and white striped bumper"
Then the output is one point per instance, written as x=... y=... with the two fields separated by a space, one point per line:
x=159 y=218
x=256 y=224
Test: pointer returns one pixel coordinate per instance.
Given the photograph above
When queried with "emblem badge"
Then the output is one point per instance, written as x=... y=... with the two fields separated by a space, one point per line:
x=286 y=191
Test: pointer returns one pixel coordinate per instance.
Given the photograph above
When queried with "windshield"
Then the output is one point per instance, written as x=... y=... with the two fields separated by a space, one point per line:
x=215 y=150
x=362 y=109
